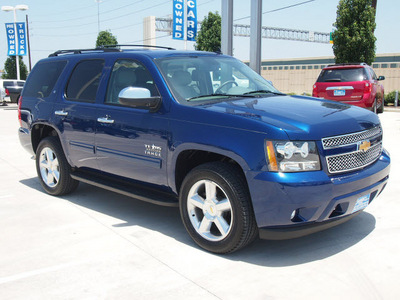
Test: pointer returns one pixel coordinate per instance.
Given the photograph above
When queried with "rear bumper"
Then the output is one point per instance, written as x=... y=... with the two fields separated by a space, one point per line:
x=319 y=201
x=25 y=139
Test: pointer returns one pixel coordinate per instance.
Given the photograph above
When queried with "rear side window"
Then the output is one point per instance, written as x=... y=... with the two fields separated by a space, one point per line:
x=343 y=75
x=84 y=80
x=43 y=78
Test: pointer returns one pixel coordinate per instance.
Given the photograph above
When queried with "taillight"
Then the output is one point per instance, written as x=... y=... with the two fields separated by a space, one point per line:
x=19 y=111
x=367 y=88
x=7 y=92
x=314 y=92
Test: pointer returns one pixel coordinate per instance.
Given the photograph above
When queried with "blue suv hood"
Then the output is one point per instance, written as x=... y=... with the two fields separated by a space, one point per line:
x=302 y=118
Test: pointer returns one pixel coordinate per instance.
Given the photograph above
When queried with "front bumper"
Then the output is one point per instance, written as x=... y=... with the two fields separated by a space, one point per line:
x=318 y=200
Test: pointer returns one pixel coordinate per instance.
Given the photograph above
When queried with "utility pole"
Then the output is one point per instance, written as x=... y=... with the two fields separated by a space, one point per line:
x=29 y=44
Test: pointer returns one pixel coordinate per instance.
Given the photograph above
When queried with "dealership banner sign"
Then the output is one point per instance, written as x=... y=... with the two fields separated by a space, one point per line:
x=191 y=20
x=178 y=20
x=16 y=39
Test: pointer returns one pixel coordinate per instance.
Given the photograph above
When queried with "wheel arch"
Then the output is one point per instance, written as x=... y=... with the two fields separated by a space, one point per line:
x=39 y=131
x=189 y=156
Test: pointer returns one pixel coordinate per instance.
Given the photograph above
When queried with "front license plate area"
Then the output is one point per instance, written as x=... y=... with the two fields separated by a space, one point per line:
x=339 y=92
x=361 y=203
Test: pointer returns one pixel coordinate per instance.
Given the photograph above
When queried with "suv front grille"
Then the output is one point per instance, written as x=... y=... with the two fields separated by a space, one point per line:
x=352 y=138
x=354 y=160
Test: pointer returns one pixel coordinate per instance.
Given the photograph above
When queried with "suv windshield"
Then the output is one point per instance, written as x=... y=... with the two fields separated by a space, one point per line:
x=343 y=75
x=199 y=79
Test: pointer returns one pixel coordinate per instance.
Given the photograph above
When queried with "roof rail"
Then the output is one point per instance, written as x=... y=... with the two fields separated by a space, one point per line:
x=79 y=51
x=139 y=46
x=105 y=48
x=348 y=64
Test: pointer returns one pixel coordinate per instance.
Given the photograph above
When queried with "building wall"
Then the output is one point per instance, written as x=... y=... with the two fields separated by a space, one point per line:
x=299 y=75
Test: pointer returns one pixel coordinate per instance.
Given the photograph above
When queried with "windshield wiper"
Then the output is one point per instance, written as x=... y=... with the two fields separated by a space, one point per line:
x=263 y=92
x=220 y=95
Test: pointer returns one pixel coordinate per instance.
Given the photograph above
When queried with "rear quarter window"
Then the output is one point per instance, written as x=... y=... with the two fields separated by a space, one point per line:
x=43 y=78
x=343 y=75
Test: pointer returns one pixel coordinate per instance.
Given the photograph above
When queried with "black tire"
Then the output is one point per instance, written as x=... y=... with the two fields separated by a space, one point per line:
x=14 y=98
x=374 y=107
x=229 y=185
x=381 y=107
x=52 y=168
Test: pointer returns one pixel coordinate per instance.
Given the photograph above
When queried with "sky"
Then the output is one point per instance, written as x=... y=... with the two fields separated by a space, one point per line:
x=74 y=24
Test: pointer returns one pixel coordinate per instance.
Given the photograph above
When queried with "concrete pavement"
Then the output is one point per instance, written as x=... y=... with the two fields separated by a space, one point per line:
x=94 y=244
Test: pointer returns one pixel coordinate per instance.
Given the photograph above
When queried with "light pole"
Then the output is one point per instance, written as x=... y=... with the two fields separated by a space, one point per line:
x=14 y=9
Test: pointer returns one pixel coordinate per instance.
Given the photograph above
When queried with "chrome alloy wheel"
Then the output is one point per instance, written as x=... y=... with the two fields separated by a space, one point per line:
x=209 y=210
x=49 y=167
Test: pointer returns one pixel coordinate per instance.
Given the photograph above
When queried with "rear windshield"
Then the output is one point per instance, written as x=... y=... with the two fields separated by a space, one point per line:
x=343 y=75
x=8 y=83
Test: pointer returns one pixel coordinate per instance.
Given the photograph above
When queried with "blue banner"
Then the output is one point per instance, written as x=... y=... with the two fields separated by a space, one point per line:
x=191 y=20
x=14 y=47
x=178 y=19
x=11 y=40
x=21 y=38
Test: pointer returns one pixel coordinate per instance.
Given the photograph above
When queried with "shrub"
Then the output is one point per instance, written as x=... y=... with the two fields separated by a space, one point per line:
x=389 y=98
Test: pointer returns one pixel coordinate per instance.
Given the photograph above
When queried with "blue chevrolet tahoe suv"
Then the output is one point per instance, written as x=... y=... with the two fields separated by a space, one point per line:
x=201 y=131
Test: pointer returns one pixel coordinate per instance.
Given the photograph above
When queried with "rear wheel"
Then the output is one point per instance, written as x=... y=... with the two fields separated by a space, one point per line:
x=53 y=169
x=374 y=107
x=216 y=209
x=381 y=107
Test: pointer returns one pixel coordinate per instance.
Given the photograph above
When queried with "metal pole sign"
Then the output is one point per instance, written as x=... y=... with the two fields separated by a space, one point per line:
x=16 y=39
x=179 y=32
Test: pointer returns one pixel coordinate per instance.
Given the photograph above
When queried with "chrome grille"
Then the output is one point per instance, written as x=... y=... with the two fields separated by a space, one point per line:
x=353 y=160
x=352 y=138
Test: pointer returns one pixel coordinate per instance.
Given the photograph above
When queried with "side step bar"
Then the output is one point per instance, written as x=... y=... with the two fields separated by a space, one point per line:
x=130 y=190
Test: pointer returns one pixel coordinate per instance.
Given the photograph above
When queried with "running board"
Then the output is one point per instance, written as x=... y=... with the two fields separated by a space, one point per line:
x=130 y=190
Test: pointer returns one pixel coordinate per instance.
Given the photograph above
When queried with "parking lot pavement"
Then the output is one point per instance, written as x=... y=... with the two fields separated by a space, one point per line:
x=94 y=244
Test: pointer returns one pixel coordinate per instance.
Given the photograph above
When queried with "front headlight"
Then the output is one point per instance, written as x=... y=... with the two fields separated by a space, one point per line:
x=292 y=156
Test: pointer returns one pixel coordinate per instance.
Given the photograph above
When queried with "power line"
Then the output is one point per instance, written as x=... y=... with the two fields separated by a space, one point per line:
x=91 y=23
x=278 y=9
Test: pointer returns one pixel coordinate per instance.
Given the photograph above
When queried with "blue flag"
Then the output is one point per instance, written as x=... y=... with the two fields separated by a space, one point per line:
x=11 y=41
x=191 y=20
x=14 y=35
x=178 y=19
x=22 y=50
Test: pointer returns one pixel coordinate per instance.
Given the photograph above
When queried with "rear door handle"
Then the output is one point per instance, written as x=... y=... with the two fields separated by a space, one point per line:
x=61 y=113
x=105 y=120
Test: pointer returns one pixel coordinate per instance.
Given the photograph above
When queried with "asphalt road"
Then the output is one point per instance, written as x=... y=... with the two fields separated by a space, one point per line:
x=96 y=244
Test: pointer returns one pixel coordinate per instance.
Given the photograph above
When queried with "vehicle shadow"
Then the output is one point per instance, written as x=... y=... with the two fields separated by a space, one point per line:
x=167 y=221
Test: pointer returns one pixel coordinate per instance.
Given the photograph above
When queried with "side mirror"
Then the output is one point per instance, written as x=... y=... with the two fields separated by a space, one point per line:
x=139 y=98
x=381 y=78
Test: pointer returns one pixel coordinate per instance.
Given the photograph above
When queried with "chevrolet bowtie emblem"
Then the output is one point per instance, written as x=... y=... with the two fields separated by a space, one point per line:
x=364 y=146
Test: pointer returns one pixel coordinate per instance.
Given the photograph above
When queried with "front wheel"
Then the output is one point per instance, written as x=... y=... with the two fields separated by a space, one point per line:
x=53 y=169
x=216 y=209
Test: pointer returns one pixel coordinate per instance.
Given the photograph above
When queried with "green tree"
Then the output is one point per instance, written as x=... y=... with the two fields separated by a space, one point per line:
x=354 y=39
x=209 y=36
x=105 y=37
x=10 y=68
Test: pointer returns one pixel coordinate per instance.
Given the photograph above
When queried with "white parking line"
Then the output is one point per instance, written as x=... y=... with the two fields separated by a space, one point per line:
x=6 y=196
